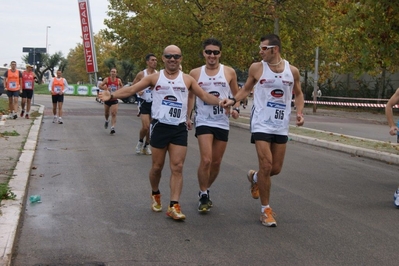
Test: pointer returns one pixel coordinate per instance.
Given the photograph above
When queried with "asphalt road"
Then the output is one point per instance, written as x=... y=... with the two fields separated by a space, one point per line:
x=332 y=208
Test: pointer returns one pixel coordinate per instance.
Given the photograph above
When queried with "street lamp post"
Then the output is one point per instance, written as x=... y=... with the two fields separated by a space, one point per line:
x=48 y=27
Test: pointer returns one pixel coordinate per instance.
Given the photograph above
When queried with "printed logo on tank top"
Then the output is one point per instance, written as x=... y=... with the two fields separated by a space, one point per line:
x=171 y=101
x=287 y=83
x=266 y=81
x=204 y=84
x=161 y=88
x=220 y=84
x=214 y=93
x=181 y=89
x=277 y=93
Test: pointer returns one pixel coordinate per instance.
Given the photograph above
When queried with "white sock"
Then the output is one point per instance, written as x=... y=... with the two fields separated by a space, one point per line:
x=203 y=192
x=255 y=177
x=262 y=209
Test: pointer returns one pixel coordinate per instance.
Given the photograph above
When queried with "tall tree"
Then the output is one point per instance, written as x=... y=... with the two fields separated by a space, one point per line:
x=139 y=27
x=49 y=63
x=365 y=37
x=76 y=70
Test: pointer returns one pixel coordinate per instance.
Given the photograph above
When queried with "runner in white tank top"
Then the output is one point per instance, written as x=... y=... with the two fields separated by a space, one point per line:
x=272 y=101
x=210 y=115
x=212 y=122
x=170 y=96
x=168 y=127
x=147 y=92
x=145 y=105
x=275 y=80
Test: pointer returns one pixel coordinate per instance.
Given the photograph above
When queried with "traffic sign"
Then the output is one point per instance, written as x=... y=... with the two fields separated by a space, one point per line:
x=34 y=50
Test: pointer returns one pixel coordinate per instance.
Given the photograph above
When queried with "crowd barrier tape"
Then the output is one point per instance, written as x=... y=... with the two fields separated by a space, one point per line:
x=351 y=104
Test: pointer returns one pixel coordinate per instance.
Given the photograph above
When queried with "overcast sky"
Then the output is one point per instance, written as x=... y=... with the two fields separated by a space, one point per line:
x=24 y=24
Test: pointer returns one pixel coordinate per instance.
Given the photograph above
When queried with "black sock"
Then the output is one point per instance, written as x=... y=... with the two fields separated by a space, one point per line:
x=141 y=140
x=173 y=203
x=146 y=144
x=156 y=192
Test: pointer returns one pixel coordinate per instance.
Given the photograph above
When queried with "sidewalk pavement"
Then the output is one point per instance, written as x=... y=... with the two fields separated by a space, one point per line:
x=20 y=151
x=16 y=159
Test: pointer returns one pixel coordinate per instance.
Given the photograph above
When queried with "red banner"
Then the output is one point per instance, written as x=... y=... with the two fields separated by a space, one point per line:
x=88 y=44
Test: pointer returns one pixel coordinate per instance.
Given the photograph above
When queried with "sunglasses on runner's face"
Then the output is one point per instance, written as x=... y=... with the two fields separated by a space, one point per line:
x=209 y=52
x=169 y=56
x=266 y=47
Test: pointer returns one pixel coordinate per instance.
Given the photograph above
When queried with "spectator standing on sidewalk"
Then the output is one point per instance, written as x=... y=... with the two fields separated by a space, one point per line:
x=13 y=87
x=57 y=87
x=28 y=83
x=145 y=106
x=274 y=80
x=393 y=130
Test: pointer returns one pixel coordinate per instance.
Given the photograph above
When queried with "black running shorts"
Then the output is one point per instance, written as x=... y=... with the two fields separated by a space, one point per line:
x=145 y=108
x=12 y=93
x=57 y=98
x=218 y=133
x=109 y=103
x=272 y=138
x=162 y=135
x=26 y=94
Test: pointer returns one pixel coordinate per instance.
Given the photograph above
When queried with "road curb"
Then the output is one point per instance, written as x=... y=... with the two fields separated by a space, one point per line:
x=356 y=151
x=12 y=209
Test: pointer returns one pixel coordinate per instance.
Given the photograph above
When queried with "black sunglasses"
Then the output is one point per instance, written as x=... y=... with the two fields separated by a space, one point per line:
x=209 y=52
x=169 y=56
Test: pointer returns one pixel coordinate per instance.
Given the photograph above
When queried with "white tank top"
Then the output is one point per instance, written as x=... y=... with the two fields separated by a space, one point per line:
x=147 y=95
x=212 y=115
x=170 y=97
x=272 y=101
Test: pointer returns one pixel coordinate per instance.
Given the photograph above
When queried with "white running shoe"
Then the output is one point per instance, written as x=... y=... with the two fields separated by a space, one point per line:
x=147 y=150
x=139 y=147
x=55 y=119
x=396 y=198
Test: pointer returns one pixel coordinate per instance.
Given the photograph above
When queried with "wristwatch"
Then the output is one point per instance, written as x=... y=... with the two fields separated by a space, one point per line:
x=236 y=109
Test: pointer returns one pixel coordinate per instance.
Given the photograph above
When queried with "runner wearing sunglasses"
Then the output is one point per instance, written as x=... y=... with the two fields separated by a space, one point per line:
x=211 y=122
x=275 y=80
x=168 y=128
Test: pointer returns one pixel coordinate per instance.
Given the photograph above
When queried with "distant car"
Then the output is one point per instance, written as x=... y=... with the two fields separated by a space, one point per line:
x=130 y=99
x=1 y=85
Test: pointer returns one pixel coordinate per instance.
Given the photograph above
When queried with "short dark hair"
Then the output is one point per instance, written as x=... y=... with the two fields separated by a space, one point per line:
x=148 y=56
x=273 y=40
x=212 y=41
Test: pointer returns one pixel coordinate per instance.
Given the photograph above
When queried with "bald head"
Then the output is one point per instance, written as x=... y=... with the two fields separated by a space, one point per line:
x=172 y=49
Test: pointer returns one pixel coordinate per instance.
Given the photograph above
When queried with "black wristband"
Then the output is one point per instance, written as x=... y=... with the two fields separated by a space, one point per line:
x=236 y=109
x=234 y=99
